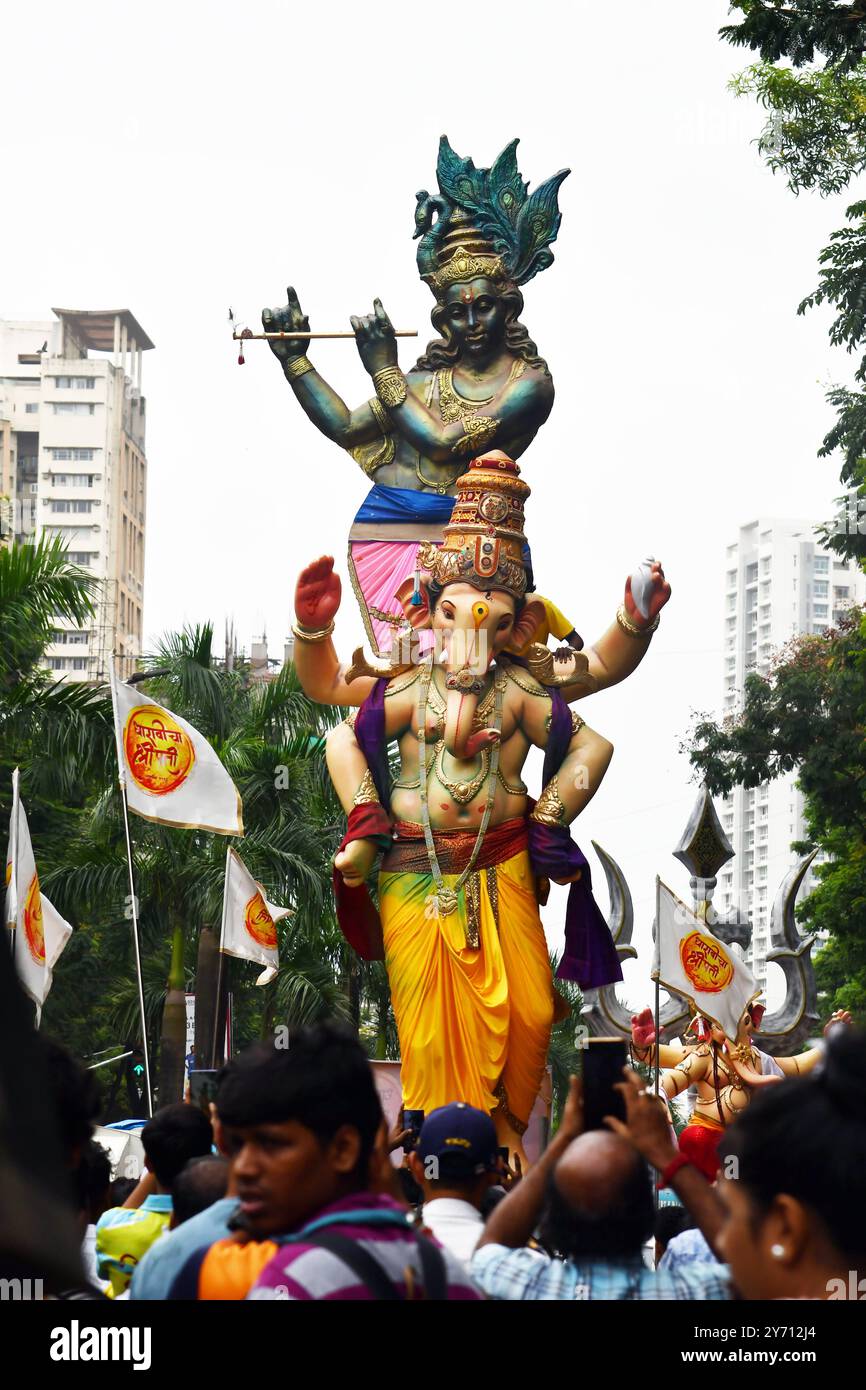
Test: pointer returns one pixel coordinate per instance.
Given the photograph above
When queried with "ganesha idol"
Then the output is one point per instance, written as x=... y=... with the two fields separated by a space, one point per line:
x=467 y=854
x=724 y=1073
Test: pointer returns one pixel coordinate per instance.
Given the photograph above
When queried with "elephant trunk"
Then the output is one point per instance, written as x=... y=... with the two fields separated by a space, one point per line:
x=747 y=1074
x=460 y=707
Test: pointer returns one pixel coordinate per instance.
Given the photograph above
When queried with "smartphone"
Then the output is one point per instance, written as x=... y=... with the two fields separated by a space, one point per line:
x=603 y=1062
x=412 y=1120
x=202 y=1089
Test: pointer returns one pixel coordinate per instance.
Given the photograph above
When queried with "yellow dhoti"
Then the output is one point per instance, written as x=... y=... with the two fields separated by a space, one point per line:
x=473 y=1020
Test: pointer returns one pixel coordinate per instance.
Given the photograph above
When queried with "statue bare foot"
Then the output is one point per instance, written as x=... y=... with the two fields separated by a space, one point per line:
x=355 y=862
x=510 y=1139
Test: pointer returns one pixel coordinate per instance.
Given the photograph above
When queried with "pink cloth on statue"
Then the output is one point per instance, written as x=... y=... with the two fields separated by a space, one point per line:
x=380 y=568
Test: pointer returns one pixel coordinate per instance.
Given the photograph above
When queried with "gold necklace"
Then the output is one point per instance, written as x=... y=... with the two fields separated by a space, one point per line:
x=453 y=406
x=446 y=899
x=461 y=792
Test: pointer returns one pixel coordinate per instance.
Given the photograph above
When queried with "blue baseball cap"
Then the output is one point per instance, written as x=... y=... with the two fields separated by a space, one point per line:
x=461 y=1139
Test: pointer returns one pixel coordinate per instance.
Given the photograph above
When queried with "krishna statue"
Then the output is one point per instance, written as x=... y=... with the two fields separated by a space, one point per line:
x=481 y=385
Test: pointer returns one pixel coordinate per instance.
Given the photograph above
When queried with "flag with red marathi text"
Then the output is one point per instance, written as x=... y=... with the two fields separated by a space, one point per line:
x=694 y=963
x=40 y=931
x=249 y=927
x=171 y=773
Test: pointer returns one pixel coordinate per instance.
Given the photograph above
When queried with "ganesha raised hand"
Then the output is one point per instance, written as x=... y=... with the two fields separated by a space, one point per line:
x=643 y=1030
x=646 y=593
x=317 y=598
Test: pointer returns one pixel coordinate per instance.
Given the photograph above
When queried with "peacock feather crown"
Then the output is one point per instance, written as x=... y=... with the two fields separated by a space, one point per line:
x=485 y=222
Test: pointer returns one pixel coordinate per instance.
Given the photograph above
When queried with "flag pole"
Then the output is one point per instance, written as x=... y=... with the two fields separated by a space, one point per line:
x=219 y=983
x=13 y=857
x=656 y=973
x=121 y=777
x=657 y=968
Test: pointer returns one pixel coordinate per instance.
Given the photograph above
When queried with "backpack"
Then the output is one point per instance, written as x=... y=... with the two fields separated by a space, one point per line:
x=371 y=1274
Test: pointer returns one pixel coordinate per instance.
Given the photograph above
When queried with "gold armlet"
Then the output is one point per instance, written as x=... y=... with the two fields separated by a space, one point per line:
x=297 y=366
x=390 y=386
x=630 y=628
x=549 y=809
x=480 y=429
x=366 y=791
x=305 y=634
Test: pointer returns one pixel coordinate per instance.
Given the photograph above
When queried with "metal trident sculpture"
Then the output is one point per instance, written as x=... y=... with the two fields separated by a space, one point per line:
x=703 y=849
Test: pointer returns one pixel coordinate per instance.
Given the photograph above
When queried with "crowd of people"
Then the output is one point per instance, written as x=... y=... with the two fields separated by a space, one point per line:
x=288 y=1189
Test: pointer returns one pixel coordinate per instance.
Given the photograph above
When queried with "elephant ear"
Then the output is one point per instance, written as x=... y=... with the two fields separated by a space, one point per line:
x=528 y=621
x=417 y=615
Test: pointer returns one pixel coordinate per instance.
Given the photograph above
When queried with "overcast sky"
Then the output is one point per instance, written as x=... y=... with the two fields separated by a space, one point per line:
x=178 y=159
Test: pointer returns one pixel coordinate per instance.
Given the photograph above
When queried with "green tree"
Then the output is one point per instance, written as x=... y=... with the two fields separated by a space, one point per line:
x=816 y=137
x=269 y=738
x=809 y=715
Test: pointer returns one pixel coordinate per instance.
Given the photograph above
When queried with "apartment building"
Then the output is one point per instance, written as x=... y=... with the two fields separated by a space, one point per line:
x=73 y=464
x=779 y=582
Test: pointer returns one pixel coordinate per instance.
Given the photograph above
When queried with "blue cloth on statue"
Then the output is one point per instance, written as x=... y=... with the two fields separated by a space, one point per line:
x=392 y=505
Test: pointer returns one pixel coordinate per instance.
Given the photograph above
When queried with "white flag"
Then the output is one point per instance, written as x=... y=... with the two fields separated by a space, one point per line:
x=171 y=773
x=57 y=933
x=694 y=963
x=249 y=920
x=40 y=931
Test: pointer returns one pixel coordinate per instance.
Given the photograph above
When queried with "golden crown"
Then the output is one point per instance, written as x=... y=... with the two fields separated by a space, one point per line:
x=484 y=540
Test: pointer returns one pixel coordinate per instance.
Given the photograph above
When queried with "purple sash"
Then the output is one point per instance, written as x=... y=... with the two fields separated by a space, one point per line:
x=590 y=956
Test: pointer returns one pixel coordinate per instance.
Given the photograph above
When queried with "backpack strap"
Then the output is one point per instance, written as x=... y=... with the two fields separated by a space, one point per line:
x=432 y=1268
x=360 y=1262
x=372 y=1275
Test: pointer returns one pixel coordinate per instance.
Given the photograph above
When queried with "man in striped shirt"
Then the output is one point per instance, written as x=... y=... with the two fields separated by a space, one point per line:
x=304 y=1132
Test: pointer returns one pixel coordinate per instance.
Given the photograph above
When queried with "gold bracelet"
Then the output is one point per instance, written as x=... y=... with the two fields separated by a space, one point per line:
x=630 y=628
x=390 y=386
x=297 y=366
x=549 y=809
x=480 y=429
x=304 y=634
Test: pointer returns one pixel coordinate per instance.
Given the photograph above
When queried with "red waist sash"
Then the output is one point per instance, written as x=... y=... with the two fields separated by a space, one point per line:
x=408 y=854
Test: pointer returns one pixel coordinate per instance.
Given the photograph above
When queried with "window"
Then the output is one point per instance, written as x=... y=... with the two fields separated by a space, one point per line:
x=822 y=588
x=82 y=557
x=67 y=506
x=79 y=383
x=822 y=564
x=842 y=591
x=72 y=455
x=72 y=479
x=820 y=610
x=79 y=663
x=31 y=407
x=57 y=663
x=72 y=407
x=751 y=573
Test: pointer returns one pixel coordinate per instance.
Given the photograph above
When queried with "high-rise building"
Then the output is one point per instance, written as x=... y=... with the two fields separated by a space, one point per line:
x=72 y=464
x=780 y=582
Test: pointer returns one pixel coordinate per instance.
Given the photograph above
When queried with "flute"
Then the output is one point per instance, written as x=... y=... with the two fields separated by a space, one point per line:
x=247 y=335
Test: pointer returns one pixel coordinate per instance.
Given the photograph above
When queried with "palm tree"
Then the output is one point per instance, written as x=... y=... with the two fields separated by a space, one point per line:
x=270 y=739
